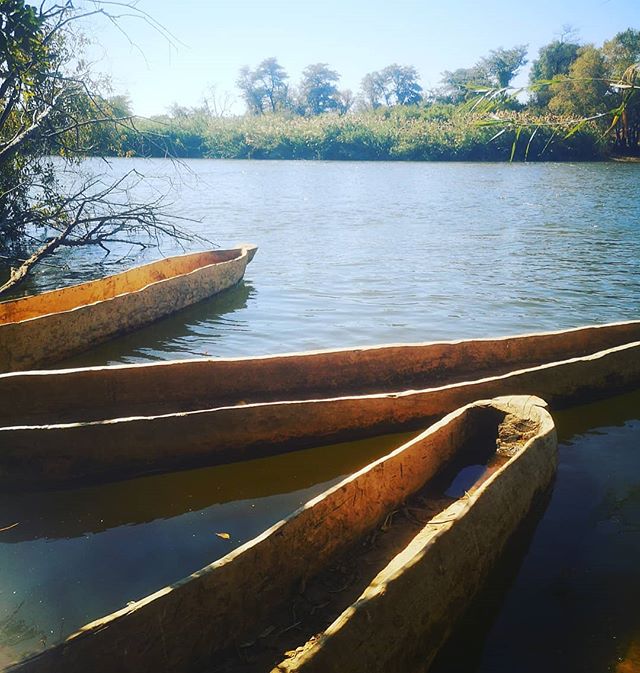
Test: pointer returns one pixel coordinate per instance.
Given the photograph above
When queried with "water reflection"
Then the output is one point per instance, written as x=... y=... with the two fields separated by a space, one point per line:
x=76 y=512
x=77 y=555
x=182 y=334
x=80 y=554
x=580 y=420
x=463 y=651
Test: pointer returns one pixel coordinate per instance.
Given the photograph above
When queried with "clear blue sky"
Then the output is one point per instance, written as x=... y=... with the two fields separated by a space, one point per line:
x=214 y=39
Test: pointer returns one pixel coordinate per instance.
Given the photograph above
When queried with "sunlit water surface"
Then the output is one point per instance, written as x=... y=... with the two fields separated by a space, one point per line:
x=355 y=254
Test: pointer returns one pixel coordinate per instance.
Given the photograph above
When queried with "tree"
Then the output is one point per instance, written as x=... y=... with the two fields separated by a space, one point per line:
x=553 y=59
x=318 y=91
x=402 y=84
x=51 y=105
x=604 y=84
x=346 y=101
x=622 y=52
x=502 y=65
x=264 y=89
x=461 y=84
x=582 y=93
x=495 y=71
x=393 y=85
x=373 y=90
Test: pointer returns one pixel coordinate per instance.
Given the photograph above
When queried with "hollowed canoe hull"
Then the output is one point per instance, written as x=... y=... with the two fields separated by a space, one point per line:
x=183 y=626
x=100 y=393
x=46 y=328
x=42 y=455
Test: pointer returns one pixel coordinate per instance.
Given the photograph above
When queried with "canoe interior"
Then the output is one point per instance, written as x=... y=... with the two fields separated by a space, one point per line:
x=434 y=562
x=211 y=614
x=100 y=393
x=132 y=280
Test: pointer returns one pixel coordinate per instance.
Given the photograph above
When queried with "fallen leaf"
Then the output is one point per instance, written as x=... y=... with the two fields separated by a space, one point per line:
x=224 y=536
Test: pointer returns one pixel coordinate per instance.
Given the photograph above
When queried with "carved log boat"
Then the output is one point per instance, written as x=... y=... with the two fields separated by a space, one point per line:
x=46 y=328
x=104 y=423
x=429 y=576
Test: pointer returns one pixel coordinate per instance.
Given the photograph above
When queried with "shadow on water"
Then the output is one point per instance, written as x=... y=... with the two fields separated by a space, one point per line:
x=566 y=600
x=69 y=557
x=76 y=512
x=612 y=412
x=180 y=334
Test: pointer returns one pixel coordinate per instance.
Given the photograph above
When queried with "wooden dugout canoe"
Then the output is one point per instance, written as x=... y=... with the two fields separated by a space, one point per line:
x=108 y=423
x=46 y=328
x=184 y=386
x=182 y=627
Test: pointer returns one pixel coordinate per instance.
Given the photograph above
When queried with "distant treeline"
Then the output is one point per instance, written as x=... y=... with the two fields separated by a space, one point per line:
x=583 y=103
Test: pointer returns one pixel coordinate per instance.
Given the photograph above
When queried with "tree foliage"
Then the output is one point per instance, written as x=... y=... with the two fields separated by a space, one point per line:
x=318 y=90
x=393 y=85
x=462 y=84
x=622 y=60
x=51 y=105
x=582 y=92
x=502 y=65
x=265 y=89
x=555 y=58
x=494 y=71
x=602 y=84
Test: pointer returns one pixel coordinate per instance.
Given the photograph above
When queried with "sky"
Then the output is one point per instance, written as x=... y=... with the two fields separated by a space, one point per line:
x=212 y=39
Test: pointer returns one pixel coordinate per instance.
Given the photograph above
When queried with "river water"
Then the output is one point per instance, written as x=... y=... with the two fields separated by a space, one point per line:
x=351 y=254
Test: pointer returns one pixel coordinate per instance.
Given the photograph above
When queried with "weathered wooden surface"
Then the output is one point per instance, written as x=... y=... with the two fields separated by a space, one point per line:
x=182 y=626
x=99 y=393
x=32 y=455
x=46 y=328
x=406 y=613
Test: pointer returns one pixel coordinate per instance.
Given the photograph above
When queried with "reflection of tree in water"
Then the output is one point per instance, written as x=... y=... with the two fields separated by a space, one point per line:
x=14 y=630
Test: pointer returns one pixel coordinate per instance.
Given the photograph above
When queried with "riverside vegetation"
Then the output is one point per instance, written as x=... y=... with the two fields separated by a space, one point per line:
x=582 y=104
x=438 y=132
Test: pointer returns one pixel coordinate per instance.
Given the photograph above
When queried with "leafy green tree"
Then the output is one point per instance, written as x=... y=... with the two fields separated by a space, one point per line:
x=318 y=90
x=393 y=85
x=264 y=89
x=373 y=90
x=583 y=91
x=553 y=59
x=50 y=105
x=402 y=84
x=622 y=52
x=502 y=65
x=346 y=101
x=461 y=85
x=495 y=71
